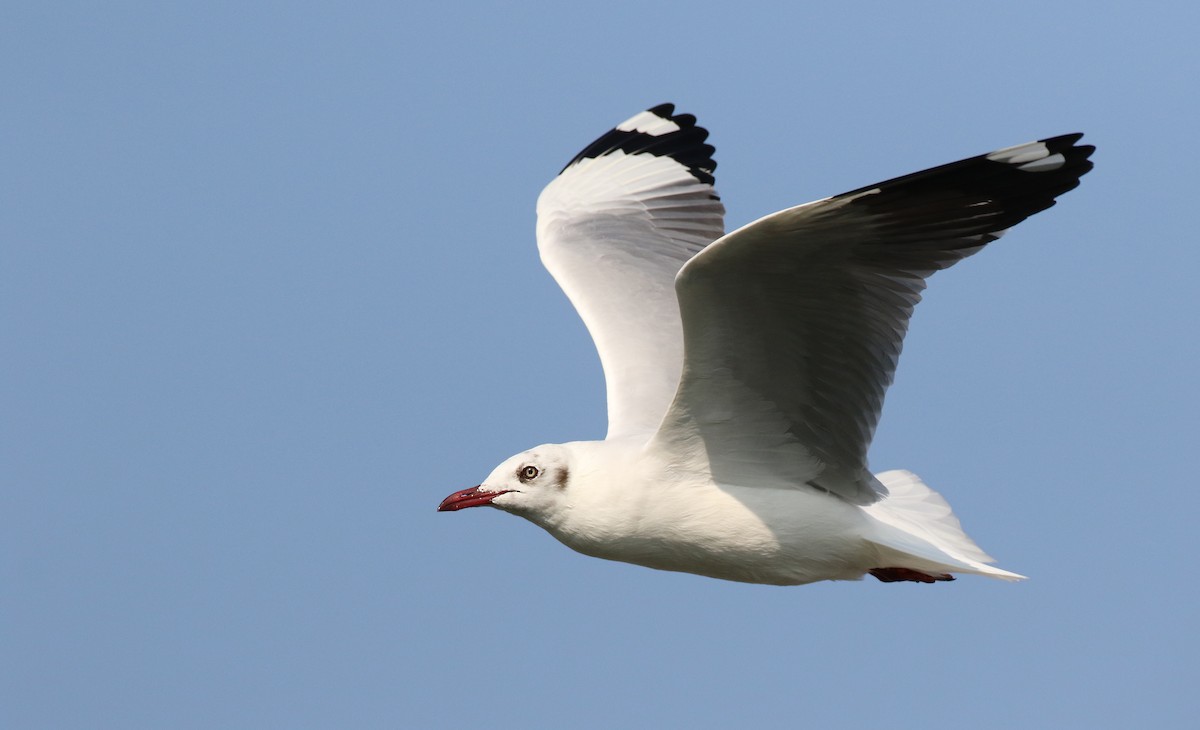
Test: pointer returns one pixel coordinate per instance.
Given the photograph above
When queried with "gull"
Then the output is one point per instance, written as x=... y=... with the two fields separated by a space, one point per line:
x=745 y=372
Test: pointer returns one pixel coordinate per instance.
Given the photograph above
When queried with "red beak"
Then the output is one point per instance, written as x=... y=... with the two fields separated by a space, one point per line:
x=468 y=498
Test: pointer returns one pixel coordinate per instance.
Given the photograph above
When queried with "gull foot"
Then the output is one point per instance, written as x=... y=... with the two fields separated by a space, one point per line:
x=892 y=575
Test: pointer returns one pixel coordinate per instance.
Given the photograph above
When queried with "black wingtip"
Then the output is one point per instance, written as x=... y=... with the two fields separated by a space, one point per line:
x=975 y=199
x=685 y=143
x=1065 y=144
x=1062 y=141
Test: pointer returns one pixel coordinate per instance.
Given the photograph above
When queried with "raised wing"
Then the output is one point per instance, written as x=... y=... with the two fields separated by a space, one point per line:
x=614 y=228
x=793 y=325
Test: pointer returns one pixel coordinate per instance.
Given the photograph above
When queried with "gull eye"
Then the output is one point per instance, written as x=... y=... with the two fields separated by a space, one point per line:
x=528 y=473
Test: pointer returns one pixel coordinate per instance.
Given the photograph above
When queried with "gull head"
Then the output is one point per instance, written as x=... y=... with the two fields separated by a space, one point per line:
x=534 y=484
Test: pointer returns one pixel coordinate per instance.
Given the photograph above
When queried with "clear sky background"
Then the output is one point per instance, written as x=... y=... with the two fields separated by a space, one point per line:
x=269 y=292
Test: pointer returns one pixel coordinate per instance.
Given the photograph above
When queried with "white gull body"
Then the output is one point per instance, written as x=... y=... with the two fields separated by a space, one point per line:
x=746 y=372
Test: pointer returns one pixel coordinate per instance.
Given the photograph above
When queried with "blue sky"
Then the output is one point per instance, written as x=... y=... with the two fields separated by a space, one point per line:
x=269 y=291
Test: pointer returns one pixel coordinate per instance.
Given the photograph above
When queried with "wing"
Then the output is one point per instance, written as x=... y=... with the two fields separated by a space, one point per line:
x=793 y=324
x=614 y=228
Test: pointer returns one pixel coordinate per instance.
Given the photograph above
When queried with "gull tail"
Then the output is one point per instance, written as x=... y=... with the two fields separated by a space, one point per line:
x=915 y=529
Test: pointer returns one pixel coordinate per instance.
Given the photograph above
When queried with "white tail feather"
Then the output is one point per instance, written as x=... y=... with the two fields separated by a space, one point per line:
x=916 y=527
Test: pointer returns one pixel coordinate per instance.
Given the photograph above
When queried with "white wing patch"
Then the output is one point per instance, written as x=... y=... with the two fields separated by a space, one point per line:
x=1030 y=157
x=648 y=122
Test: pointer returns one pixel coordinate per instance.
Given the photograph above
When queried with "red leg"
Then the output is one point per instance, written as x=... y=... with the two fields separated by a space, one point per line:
x=892 y=575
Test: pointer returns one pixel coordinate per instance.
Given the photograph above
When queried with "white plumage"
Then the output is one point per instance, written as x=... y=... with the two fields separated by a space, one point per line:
x=746 y=372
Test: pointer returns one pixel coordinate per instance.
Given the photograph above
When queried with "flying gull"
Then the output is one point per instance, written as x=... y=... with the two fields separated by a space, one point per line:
x=746 y=371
